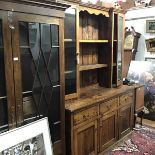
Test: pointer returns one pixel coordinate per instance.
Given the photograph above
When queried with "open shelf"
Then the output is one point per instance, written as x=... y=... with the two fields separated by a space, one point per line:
x=93 y=41
x=94 y=66
x=69 y=40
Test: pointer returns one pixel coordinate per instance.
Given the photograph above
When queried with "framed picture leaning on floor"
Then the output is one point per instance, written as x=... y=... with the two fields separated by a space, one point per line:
x=31 y=139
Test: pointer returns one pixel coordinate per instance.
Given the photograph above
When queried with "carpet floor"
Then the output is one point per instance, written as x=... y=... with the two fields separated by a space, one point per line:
x=140 y=142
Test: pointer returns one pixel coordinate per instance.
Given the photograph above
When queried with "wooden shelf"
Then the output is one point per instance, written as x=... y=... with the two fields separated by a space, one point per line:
x=93 y=41
x=94 y=66
x=69 y=40
x=24 y=46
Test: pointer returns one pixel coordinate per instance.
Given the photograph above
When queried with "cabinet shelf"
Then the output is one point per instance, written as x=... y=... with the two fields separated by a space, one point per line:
x=94 y=66
x=93 y=41
x=24 y=46
x=69 y=40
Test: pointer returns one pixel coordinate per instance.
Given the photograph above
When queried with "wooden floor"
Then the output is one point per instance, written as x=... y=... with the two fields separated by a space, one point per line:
x=147 y=122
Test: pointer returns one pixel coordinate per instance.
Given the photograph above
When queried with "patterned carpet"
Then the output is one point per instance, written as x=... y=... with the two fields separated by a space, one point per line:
x=140 y=142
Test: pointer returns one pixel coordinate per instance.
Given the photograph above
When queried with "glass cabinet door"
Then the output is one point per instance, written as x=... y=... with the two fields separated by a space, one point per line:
x=3 y=96
x=118 y=38
x=70 y=52
x=120 y=47
x=38 y=69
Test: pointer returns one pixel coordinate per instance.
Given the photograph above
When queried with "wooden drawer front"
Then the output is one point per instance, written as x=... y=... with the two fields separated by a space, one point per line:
x=108 y=106
x=126 y=98
x=85 y=115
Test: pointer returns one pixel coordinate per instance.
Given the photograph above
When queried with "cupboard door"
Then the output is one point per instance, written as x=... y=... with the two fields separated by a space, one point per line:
x=85 y=139
x=37 y=47
x=125 y=120
x=7 y=101
x=108 y=130
x=118 y=39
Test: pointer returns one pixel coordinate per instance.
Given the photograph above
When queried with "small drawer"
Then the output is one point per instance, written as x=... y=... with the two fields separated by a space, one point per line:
x=108 y=106
x=85 y=115
x=126 y=98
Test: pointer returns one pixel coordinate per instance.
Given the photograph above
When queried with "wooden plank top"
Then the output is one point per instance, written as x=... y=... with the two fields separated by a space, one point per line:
x=95 y=95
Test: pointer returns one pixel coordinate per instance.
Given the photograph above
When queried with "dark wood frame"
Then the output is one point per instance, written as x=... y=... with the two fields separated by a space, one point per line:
x=30 y=11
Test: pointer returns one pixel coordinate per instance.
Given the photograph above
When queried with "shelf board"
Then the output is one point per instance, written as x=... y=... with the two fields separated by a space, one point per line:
x=115 y=40
x=69 y=40
x=70 y=72
x=24 y=46
x=94 y=66
x=93 y=41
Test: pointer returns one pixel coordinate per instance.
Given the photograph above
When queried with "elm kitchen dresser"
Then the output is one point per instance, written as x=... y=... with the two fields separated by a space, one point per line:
x=99 y=109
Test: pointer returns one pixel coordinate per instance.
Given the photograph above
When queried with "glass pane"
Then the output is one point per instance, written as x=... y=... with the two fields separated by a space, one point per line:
x=28 y=70
x=3 y=113
x=46 y=41
x=55 y=132
x=54 y=107
x=53 y=66
x=1 y=40
x=29 y=107
x=70 y=23
x=70 y=67
x=2 y=74
x=34 y=41
x=119 y=54
x=23 y=29
x=41 y=68
x=55 y=35
x=70 y=51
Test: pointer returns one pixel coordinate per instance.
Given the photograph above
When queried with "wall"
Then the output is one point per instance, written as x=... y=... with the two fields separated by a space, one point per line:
x=137 y=18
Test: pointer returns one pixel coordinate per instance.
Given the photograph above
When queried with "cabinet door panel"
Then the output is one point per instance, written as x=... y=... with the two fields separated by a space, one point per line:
x=70 y=52
x=86 y=139
x=125 y=120
x=3 y=98
x=38 y=54
x=108 y=130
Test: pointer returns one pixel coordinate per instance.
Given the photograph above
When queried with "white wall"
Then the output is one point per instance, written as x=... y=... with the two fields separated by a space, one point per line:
x=137 y=18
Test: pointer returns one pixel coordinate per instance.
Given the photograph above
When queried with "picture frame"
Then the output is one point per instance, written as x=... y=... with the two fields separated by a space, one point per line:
x=150 y=26
x=33 y=138
x=150 y=45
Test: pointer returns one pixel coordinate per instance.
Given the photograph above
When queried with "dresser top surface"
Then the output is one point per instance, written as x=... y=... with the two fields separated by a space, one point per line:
x=96 y=95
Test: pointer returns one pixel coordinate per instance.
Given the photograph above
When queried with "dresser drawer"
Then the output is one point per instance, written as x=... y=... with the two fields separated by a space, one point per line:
x=85 y=115
x=109 y=105
x=126 y=98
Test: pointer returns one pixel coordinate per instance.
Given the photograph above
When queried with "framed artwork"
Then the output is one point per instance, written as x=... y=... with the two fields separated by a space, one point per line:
x=128 y=42
x=150 y=26
x=31 y=139
x=150 y=45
